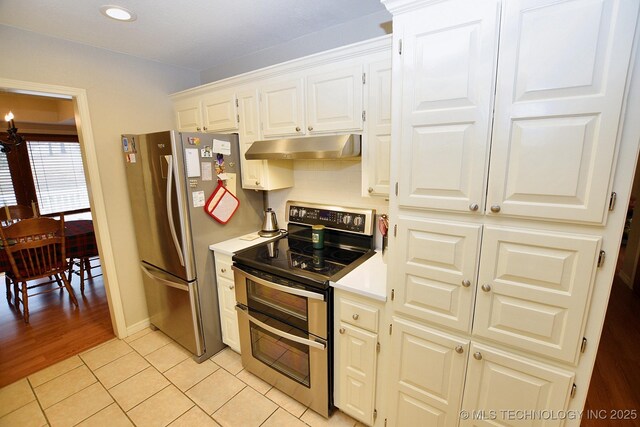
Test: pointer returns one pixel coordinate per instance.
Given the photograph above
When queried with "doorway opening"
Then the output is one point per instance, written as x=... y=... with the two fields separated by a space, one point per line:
x=615 y=382
x=100 y=307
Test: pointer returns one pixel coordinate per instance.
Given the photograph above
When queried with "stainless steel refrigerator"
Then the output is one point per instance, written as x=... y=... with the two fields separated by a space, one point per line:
x=170 y=175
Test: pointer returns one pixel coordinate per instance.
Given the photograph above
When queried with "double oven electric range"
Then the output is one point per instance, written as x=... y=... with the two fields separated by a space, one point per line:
x=285 y=303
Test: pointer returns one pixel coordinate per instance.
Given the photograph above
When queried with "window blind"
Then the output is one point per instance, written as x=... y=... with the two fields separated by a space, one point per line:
x=7 y=195
x=58 y=176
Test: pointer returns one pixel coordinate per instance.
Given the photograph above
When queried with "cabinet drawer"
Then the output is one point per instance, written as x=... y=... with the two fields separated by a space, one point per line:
x=358 y=314
x=223 y=267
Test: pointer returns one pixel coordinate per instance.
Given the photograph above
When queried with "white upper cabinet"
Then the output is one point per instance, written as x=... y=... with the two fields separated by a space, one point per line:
x=448 y=65
x=558 y=102
x=216 y=112
x=334 y=100
x=258 y=174
x=282 y=112
x=377 y=149
x=220 y=112
x=533 y=289
x=189 y=115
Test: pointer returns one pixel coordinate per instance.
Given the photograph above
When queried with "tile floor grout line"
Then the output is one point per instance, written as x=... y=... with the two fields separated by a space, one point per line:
x=44 y=414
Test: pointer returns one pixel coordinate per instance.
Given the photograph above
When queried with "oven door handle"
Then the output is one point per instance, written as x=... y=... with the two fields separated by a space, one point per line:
x=278 y=332
x=281 y=288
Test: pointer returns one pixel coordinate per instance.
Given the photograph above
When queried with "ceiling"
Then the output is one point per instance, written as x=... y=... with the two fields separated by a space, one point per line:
x=195 y=34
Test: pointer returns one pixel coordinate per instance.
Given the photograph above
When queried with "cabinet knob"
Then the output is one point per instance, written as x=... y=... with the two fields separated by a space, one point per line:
x=310 y=128
x=466 y=283
x=459 y=349
x=341 y=330
x=223 y=270
x=231 y=286
x=477 y=355
x=486 y=287
x=355 y=316
x=473 y=207
x=204 y=128
x=257 y=182
x=297 y=128
x=495 y=208
x=198 y=129
x=370 y=189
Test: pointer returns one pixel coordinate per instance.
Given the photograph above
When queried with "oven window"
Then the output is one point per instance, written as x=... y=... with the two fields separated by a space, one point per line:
x=288 y=308
x=285 y=356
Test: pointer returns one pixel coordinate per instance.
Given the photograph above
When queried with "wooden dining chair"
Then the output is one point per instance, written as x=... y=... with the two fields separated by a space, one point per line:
x=10 y=215
x=36 y=250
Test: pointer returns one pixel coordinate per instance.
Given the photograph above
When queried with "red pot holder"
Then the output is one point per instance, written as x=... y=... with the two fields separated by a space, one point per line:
x=222 y=204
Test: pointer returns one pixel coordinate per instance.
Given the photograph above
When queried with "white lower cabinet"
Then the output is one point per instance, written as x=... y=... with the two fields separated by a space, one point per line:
x=227 y=301
x=356 y=356
x=428 y=368
x=505 y=389
x=435 y=374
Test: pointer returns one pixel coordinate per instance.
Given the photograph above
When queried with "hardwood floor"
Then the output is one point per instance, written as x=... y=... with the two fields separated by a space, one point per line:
x=57 y=329
x=615 y=384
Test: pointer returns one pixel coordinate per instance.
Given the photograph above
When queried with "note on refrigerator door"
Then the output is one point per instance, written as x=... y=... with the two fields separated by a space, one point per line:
x=207 y=171
x=192 y=162
x=222 y=147
x=198 y=199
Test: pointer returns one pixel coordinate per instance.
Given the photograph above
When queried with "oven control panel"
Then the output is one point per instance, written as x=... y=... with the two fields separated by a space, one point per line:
x=353 y=220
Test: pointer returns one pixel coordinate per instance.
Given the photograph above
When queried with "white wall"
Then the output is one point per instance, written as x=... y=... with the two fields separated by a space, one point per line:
x=126 y=95
x=364 y=28
x=332 y=182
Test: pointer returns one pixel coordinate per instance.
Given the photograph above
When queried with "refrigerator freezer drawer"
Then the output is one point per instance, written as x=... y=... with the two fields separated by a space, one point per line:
x=174 y=308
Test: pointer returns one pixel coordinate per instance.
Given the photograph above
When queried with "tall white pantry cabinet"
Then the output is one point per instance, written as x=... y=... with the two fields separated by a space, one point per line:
x=508 y=142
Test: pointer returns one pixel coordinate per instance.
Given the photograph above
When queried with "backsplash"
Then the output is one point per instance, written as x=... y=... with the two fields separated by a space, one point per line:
x=335 y=182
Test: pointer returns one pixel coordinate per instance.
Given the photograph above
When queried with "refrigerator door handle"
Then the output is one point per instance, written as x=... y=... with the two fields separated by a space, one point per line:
x=169 y=198
x=173 y=284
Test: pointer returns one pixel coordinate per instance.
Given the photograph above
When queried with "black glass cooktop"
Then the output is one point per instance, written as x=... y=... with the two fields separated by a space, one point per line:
x=294 y=256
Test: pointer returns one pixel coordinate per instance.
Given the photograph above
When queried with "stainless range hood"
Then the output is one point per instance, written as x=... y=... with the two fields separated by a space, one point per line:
x=312 y=147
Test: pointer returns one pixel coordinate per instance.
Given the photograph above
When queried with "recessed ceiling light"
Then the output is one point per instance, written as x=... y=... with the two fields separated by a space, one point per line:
x=118 y=13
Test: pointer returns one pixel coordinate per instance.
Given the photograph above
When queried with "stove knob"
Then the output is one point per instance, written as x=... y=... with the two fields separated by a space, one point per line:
x=346 y=219
x=293 y=212
x=303 y=213
x=303 y=265
x=294 y=263
x=357 y=221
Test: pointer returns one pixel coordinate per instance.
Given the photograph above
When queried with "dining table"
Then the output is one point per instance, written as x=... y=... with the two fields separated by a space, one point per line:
x=80 y=242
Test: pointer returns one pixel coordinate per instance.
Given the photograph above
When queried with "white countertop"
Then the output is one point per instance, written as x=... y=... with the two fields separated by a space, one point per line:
x=231 y=246
x=369 y=279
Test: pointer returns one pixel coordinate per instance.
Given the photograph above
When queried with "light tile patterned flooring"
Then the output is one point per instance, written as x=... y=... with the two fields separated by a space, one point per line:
x=149 y=380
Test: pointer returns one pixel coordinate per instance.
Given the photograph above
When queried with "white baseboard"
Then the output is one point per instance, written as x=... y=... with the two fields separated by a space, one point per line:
x=137 y=327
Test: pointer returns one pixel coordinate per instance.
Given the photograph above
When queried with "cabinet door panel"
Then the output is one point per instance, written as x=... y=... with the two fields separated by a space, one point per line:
x=558 y=106
x=228 y=317
x=357 y=366
x=334 y=101
x=432 y=263
x=188 y=116
x=249 y=131
x=540 y=287
x=220 y=113
x=499 y=384
x=427 y=375
x=376 y=152
x=448 y=70
x=283 y=109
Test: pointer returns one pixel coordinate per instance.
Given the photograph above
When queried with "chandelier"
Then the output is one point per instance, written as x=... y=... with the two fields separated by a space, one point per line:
x=13 y=139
